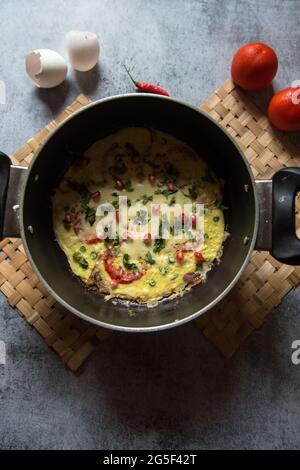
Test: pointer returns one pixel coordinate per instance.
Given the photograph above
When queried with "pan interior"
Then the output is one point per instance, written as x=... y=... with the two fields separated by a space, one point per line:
x=78 y=133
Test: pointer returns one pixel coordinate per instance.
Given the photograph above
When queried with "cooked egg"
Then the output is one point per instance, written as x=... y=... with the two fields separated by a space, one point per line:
x=154 y=170
x=46 y=68
x=83 y=49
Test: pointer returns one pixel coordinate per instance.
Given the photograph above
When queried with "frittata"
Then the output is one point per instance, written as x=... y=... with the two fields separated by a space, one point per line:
x=154 y=170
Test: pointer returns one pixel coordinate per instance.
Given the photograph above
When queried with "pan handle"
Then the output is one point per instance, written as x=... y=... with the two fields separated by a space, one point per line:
x=285 y=243
x=5 y=163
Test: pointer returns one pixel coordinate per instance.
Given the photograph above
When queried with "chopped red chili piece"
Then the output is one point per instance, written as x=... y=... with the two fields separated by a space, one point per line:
x=193 y=220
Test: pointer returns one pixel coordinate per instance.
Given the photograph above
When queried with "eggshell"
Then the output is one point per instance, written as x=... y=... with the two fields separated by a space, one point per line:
x=83 y=49
x=46 y=68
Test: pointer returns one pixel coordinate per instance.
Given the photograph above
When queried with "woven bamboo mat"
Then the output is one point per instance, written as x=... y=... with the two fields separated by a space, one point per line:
x=265 y=281
x=263 y=285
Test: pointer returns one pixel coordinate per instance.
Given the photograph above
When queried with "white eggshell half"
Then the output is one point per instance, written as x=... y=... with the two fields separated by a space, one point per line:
x=83 y=49
x=46 y=68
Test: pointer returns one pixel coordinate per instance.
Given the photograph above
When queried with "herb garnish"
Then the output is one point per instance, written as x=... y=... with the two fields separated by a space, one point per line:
x=90 y=215
x=149 y=258
x=77 y=256
x=128 y=186
x=127 y=264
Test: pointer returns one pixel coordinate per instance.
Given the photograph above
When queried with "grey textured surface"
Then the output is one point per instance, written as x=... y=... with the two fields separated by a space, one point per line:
x=168 y=390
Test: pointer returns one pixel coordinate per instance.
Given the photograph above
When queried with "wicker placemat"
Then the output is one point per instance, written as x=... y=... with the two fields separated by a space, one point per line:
x=264 y=282
x=73 y=339
x=262 y=286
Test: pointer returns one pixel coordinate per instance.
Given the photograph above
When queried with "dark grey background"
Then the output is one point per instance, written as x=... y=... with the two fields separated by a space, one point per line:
x=167 y=390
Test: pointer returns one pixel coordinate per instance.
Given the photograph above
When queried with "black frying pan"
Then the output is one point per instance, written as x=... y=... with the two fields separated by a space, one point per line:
x=260 y=214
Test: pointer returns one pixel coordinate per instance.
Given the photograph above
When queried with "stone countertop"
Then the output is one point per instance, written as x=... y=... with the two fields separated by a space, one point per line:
x=169 y=390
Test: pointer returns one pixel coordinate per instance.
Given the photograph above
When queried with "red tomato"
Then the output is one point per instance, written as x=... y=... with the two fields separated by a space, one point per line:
x=119 y=185
x=152 y=179
x=193 y=220
x=147 y=238
x=96 y=196
x=284 y=109
x=199 y=257
x=171 y=186
x=92 y=239
x=254 y=66
x=180 y=256
x=68 y=217
x=119 y=274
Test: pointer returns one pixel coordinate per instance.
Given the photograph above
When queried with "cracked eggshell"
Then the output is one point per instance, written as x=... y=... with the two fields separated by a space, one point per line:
x=83 y=49
x=46 y=68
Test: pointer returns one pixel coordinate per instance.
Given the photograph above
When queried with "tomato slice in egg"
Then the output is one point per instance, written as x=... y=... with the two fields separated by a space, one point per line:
x=119 y=274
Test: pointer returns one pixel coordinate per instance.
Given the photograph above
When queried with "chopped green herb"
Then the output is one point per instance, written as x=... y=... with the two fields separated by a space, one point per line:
x=115 y=204
x=171 y=258
x=152 y=282
x=128 y=202
x=206 y=236
x=216 y=218
x=146 y=199
x=172 y=201
x=82 y=248
x=158 y=191
x=73 y=210
x=114 y=194
x=141 y=217
x=201 y=266
x=66 y=208
x=163 y=271
x=67 y=225
x=159 y=245
x=127 y=264
x=90 y=215
x=149 y=258
x=93 y=255
x=128 y=186
x=83 y=263
x=168 y=192
x=77 y=256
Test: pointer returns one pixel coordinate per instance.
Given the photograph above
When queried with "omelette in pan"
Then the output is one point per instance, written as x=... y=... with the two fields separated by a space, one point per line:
x=139 y=216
